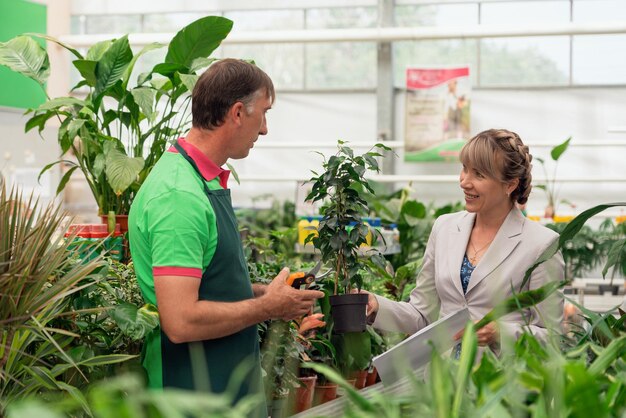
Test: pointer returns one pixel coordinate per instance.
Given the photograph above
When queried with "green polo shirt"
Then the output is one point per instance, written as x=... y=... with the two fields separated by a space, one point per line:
x=172 y=231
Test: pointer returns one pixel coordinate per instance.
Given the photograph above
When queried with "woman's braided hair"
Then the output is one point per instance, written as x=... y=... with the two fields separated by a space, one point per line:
x=501 y=155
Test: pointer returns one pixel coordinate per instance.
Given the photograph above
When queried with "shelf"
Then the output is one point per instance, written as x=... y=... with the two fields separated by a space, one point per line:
x=363 y=251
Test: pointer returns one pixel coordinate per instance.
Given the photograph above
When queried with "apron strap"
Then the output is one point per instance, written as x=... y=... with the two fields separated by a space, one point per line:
x=193 y=164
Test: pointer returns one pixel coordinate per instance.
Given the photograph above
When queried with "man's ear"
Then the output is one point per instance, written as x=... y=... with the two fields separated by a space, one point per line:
x=236 y=112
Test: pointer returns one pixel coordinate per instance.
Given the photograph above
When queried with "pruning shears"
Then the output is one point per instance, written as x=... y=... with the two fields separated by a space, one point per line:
x=300 y=278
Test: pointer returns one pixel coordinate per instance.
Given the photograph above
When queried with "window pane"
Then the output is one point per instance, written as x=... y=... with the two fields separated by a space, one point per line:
x=171 y=22
x=432 y=54
x=77 y=24
x=341 y=65
x=355 y=17
x=440 y=15
x=113 y=24
x=282 y=62
x=522 y=12
x=599 y=59
x=266 y=20
x=599 y=10
x=535 y=61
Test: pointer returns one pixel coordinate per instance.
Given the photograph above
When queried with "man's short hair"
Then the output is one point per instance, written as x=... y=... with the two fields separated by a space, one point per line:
x=223 y=84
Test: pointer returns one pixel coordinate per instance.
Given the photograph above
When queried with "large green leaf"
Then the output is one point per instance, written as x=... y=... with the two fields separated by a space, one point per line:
x=87 y=68
x=112 y=65
x=189 y=81
x=557 y=151
x=131 y=66
x=198 y=39
x=59 y=102
x=25 y=56
x=56 y=41
x=144 y=97
x=135 y=323
x=97 y=50
x=121 y=170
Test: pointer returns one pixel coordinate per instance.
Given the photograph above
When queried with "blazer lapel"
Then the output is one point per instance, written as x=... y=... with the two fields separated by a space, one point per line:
x=456 y=247
x=503 y=244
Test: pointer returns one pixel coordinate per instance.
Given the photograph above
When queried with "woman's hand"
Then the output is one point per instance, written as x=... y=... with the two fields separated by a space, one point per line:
x=487 y=335
x=372 y=302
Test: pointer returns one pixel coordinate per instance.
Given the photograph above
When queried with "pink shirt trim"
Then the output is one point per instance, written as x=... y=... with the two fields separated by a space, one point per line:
x=208 y=168
x=177 y=271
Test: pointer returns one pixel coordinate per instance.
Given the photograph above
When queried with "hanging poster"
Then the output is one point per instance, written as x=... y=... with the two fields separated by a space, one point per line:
x=437 y=113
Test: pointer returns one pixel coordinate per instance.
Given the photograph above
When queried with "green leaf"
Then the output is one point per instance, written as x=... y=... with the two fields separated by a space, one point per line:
x=198 y=39
x=112 y=65
x=233 y=172
x=25 y=56
x=202 y=62
x=614 y=256
x=56 y=41
x=43 y=376
x=121 y=170
x=87 y=69
x=97 y=50
x=568 y=233
x=466 y=362
x=60 y=102
x=144 y=97
x=46 y=168
x=169 y=69
x=98 y=165
x=39 y=121
x=614 y=350
x=106 y=359
x=65 y=179
x=414 y=209
x=131 y=65
x=189 y=81
x=557 y=151
x=74 y=126
x=133 y=322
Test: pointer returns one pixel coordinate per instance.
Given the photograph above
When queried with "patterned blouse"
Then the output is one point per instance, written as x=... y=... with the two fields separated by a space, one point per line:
x=466 y=273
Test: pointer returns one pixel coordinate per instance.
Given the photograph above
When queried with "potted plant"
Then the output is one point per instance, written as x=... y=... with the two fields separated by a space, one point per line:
x=120 y=129
x=342 y=230
x=550 y=185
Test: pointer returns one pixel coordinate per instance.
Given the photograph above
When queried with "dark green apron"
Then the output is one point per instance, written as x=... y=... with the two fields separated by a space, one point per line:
x=209 y=365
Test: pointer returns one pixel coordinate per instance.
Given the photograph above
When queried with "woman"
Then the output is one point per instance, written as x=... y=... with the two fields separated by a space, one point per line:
x=476 y=258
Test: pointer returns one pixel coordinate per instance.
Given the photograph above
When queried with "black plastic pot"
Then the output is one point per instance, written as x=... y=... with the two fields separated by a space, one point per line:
x=348 y=312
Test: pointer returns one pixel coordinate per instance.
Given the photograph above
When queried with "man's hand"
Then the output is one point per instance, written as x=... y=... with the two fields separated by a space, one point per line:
x=284 y=302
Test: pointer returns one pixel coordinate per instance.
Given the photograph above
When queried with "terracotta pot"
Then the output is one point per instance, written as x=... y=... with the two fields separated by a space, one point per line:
x=372 y=377
x=360 y=376
x=324 y=393
x=119 y=219
x=304 y=394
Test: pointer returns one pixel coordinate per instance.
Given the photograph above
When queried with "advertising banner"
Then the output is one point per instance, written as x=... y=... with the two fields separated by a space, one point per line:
x=437 y=113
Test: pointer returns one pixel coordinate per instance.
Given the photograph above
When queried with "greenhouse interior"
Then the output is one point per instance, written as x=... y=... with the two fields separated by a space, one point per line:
x=424 y=203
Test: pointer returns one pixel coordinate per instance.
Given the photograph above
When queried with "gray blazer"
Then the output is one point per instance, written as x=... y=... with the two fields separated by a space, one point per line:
x=438 y=291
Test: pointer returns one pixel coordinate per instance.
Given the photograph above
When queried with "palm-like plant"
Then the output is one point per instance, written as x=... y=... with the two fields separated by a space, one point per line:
x=120 y=129
x=36 y=276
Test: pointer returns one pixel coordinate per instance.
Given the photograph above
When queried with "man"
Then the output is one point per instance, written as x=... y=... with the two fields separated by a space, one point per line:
x=186 y=249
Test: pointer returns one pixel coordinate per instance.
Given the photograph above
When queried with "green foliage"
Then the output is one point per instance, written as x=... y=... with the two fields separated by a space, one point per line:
x=550 y=186
x=585 y=251
x=127 y=396
x=340 y=183
x=38 y=279
x=116 y=141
